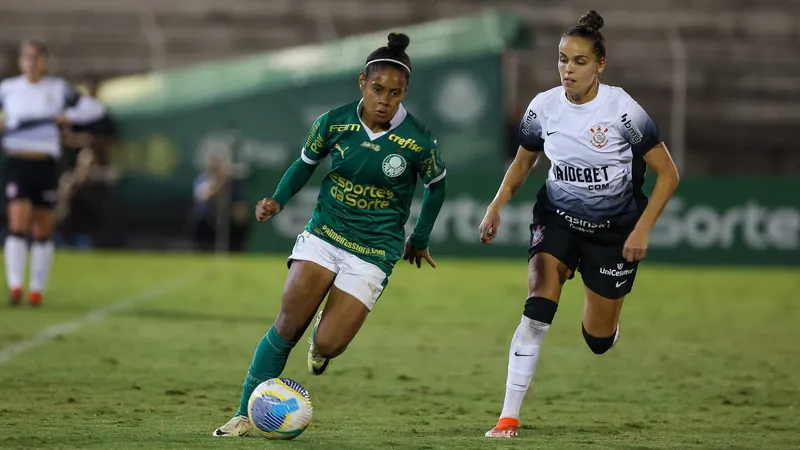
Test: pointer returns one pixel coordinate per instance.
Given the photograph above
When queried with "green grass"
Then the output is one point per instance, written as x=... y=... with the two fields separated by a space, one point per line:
x=708 y=359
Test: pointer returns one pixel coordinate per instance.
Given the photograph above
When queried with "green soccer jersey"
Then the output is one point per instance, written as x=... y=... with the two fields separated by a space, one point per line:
x=365 y=198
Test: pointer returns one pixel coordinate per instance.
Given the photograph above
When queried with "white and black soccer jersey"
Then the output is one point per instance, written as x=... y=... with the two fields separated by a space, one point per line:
x=31 y=109
x=596 y=150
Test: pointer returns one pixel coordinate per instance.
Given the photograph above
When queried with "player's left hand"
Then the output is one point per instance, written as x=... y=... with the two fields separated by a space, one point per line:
x=636 y=245
x=61 y=119
x=413 y=254
x=266 y=208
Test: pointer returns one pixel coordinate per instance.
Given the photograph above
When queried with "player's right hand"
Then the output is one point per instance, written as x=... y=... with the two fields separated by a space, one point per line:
x=266 y=208
x=489 y=225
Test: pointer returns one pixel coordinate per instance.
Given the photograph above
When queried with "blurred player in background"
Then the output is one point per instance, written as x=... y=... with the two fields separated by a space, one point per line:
x=83 y=195
x=216 y=192
x=98 y=135
x=356 y=233
x=35 y=105
x=591 y=214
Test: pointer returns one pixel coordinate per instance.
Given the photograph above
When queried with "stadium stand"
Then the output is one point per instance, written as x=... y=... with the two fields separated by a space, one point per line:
x=743 y=84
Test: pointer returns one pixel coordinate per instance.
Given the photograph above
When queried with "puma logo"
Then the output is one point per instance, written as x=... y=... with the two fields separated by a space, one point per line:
x=340 y=149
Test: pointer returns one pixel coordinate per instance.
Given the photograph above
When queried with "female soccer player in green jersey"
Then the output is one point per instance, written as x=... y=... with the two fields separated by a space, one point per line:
x=357 y=231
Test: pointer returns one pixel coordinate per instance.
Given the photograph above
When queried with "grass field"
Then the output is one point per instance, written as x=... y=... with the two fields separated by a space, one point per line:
x=149 y=351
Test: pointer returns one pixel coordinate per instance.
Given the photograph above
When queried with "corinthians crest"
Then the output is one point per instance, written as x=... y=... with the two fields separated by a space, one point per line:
x=537 y=234
x=599 y=138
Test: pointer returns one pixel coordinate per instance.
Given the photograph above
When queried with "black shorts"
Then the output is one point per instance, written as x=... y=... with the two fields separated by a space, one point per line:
x=593 y=249
x=32 y=179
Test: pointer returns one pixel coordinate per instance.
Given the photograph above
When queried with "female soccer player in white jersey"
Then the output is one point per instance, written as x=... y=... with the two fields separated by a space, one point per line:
x=35 y=105
x=591 y=214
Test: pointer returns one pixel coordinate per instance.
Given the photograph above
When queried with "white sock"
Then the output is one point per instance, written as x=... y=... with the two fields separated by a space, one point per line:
x=16 y=253
x=522 y=363
x=41 y=261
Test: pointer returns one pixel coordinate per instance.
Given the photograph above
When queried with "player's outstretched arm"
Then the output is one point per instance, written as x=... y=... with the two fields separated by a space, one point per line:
x=515 y=177
x=416 y=247
x=659 y=160
x=81 y=109
x=296 y=176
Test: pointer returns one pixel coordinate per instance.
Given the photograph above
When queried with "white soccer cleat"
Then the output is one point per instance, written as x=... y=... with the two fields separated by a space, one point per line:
x=505 y=428
x=236 y=427
x=316 y=363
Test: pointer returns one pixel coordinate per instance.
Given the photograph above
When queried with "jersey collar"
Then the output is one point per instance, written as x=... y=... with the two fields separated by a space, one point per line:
x=602 y=92
x=395 y=122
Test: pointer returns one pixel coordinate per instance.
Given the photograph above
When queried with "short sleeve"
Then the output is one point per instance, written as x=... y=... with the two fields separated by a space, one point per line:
x=530 y=128
x=432 y=169
x=637 y=127
x=315 y=148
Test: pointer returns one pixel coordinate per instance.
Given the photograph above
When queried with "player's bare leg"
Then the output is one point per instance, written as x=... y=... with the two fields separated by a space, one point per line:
x=546 y=277
x=336 y=327
x=601 y=321
x=305 y=287
x=42 y=253
x=15 y=250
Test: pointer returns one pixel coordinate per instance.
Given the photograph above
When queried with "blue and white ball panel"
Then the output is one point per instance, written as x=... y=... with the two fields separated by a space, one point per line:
x=280 y=408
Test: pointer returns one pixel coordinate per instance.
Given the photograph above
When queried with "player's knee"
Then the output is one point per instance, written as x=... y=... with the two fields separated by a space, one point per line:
x=329 y=346
x=540 y=309
x=290 y=325
x=600 y=345
x=42 y=229
x=19 y=223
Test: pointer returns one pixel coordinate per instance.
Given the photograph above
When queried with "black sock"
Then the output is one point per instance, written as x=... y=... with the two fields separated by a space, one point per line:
x=540 y=309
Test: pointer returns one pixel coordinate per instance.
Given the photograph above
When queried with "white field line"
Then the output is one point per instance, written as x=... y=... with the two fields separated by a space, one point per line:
x=96 y=315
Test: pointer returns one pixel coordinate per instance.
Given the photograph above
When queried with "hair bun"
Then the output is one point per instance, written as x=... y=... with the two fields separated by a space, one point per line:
x=398 y=42
x=591 y=20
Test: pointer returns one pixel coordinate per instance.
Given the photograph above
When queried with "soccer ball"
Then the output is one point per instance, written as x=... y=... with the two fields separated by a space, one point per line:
x=280 y=408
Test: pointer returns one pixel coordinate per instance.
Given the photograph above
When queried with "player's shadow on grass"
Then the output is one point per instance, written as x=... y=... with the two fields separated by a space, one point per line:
x=541 y=432
x=188 y=316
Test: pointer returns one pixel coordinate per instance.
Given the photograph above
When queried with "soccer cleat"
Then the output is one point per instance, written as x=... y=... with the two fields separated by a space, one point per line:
x=506 y=428
x=35 y=298
x=316 y=363
x=15 y=296
x=238 y=426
